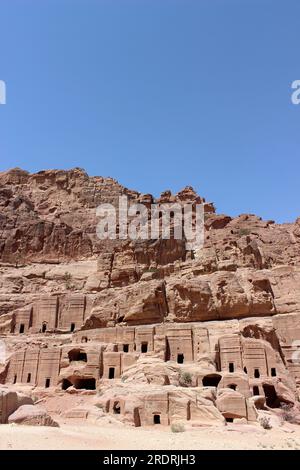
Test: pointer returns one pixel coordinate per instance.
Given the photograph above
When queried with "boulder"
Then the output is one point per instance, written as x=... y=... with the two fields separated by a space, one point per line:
x=32 y=415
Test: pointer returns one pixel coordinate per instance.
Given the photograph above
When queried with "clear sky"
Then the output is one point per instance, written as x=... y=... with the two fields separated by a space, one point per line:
x=158 y=94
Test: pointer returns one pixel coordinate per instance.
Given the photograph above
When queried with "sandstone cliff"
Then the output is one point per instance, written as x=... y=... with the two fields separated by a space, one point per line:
x=151 y=312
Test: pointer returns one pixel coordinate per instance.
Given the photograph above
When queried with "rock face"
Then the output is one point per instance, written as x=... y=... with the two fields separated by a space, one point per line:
x=165 y=332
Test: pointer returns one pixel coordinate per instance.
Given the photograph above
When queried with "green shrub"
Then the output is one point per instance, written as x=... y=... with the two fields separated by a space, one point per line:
x=185 y=379
x=265 y=422
x=99 y=405
x=151 y=270
x=68 y=278
x=287 y=413
x=177 y=427
x=244 y=231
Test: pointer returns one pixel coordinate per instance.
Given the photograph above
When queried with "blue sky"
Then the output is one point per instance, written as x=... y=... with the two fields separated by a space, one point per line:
x=158 y=94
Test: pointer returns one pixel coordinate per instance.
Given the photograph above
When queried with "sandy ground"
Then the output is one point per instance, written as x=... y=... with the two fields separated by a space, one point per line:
x=108 y=433
x=91 y=436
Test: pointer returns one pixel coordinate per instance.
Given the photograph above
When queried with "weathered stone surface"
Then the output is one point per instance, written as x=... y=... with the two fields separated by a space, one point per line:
x=144 y=303
x=32 y=415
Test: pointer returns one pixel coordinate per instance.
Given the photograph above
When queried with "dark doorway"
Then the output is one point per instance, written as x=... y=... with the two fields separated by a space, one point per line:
x=229 y=420
x=256 y=373
x=180 y=358
x=136 y=417
x=125 y=348
x=255 y=390
x=111 y=373
x=22 y=328
x=144 y=347
x=271 y=396
x=245 y=370
x=188 y=411
x=44 y=327
x=28 y=378
x=77 y=355
x=232 y=386
x=168 y=352
x=15 y=379
x=231 y=367
x=156 y=419
x=117 y=408
x=87 y=384
x=211 y=380
x=273 y=372
x=72 y=327
x=66 y=384
x=47 y=383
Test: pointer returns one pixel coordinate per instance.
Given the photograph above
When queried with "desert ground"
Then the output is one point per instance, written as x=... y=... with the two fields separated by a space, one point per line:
x=92 y=437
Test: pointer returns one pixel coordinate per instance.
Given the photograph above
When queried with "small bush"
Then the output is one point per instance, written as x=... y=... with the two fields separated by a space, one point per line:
x=99 y=405
x=68 y=279
x=124 y=378
x=288 y=413
x=244 y=231
x=177 y=427
x=265 y=422
x=151 y=270
x=185 y=379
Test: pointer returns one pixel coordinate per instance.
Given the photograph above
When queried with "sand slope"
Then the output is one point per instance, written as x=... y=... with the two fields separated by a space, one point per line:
x=90 y=436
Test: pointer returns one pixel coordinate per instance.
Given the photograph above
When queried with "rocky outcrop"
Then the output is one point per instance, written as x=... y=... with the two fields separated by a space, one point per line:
x=31 y=415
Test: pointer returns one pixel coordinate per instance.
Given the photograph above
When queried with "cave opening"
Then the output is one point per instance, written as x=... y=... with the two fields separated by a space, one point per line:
x=77 y=355
x=232 y=386
x=211 y=380
x=87 y=384
x=66 y=384
x=272 y=400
